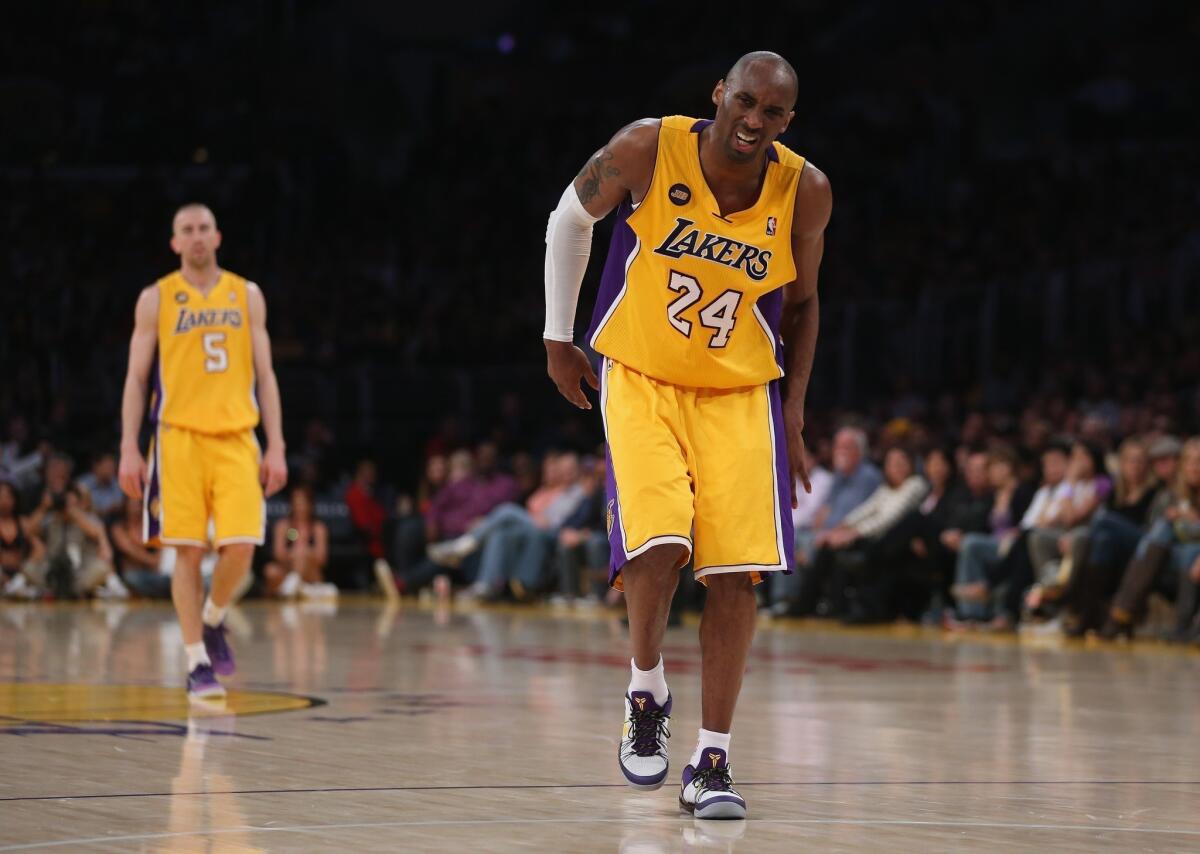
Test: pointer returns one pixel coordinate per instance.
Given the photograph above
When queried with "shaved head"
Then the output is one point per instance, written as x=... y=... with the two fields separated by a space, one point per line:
x=768 y=64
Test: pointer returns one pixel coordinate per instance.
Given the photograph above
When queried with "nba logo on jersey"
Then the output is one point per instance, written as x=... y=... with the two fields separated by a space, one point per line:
x=770 y=226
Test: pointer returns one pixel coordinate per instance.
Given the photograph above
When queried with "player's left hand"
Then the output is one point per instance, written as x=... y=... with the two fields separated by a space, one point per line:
x=793 y=424
x=273 y=473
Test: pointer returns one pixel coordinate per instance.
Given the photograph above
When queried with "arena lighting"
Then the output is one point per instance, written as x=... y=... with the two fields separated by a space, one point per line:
x=506 y=43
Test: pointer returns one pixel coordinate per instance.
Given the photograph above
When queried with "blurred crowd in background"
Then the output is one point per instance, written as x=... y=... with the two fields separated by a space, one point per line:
x=1010 y=275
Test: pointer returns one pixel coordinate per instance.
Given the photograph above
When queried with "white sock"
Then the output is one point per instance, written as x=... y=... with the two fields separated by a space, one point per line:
x=196 y=655
x=213 y=615
x=653 y=680
x=707 y=739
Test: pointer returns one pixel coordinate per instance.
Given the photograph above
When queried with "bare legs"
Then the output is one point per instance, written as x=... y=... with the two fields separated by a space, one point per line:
x=187 y=586
x=232 y=567
x=726 y=628
x=650 y=580
x=726 y=632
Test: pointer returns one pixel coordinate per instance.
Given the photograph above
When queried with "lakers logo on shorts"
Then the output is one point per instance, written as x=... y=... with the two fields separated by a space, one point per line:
x=608 y=516
x=154 y=506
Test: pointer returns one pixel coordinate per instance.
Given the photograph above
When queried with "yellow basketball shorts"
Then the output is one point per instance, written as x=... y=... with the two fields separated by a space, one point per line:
x=704 y=468
x=195 y=477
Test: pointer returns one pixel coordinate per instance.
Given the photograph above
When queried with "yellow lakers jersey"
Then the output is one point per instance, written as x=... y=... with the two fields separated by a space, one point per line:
x=691 y=297
x=205 y=378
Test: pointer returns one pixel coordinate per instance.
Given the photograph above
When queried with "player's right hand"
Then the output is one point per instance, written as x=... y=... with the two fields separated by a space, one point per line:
x=567 y=366
x=131 y=473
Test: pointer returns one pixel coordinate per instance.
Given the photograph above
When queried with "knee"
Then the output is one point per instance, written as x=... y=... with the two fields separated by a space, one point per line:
x=730 y=584
x=662 y=561
x=238 y=553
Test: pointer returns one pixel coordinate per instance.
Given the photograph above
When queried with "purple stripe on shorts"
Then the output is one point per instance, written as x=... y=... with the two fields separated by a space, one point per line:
x=616 y=543
x=152 y=507
x=612 y=281
x=783 y=475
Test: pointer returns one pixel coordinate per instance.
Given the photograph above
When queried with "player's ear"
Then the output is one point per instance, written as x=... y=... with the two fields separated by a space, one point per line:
x=175 y=245
x=788 y=122
x=217 y=245
x=718 y=94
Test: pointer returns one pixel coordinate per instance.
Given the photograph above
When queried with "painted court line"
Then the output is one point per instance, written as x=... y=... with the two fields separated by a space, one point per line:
x=522 y=786
x=640 y=820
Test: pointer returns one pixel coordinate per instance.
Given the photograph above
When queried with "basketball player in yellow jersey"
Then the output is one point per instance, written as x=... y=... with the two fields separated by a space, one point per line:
x=709 y=291
x=212 y=373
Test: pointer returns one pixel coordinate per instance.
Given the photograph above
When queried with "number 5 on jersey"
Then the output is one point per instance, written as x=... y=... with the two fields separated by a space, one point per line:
x=214 y=348
x=719 y=315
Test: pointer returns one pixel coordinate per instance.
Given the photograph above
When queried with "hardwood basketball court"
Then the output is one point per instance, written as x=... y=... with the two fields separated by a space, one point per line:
x=364 y=729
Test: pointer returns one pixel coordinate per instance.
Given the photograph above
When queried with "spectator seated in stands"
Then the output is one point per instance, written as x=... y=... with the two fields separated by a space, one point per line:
x=933 y=530
x=1187 y=606
x=367 y=514
x=514 y=541
x=978 y=551
x=299 y=552
x=101 y=483
x=140 y=565
x=1099 y=556
x=1087 y=489
x=408 y=532
x=20 y=459
x=809 y=504
x=463 y=503
x=78 y=557
x=1165 y=553
x=18 y=543
x=583 y=549
x=855 y=478
x=1073 y=489
x=858 y=554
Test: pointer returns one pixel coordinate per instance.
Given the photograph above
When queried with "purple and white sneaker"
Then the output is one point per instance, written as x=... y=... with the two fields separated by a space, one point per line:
x=707 y=791
x=643 y=751
x=218 y=650
x=202 y=684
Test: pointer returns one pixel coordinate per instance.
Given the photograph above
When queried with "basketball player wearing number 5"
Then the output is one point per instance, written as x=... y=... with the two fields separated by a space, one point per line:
x=202 y=333
x=708 y=303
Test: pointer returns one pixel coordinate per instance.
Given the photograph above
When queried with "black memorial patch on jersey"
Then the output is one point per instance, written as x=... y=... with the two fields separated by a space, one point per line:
x=679 y=194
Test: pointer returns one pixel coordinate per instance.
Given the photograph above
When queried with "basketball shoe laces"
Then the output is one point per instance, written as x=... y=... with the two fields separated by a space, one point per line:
x=714 y=780
x=649 y=729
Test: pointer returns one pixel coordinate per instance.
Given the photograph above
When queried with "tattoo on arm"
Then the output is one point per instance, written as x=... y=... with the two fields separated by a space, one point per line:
x=593 y=173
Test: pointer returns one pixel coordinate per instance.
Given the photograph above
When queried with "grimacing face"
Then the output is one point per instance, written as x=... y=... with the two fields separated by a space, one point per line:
x=754 y=106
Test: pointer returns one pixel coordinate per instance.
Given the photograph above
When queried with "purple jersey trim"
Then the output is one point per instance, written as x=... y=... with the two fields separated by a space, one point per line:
x=612 y=280
x=156 y=406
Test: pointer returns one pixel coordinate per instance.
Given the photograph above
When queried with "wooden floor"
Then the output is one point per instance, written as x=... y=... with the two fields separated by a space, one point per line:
x=496 y=730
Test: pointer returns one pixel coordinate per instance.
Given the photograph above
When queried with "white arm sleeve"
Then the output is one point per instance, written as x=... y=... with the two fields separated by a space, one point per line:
x=568 y=245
